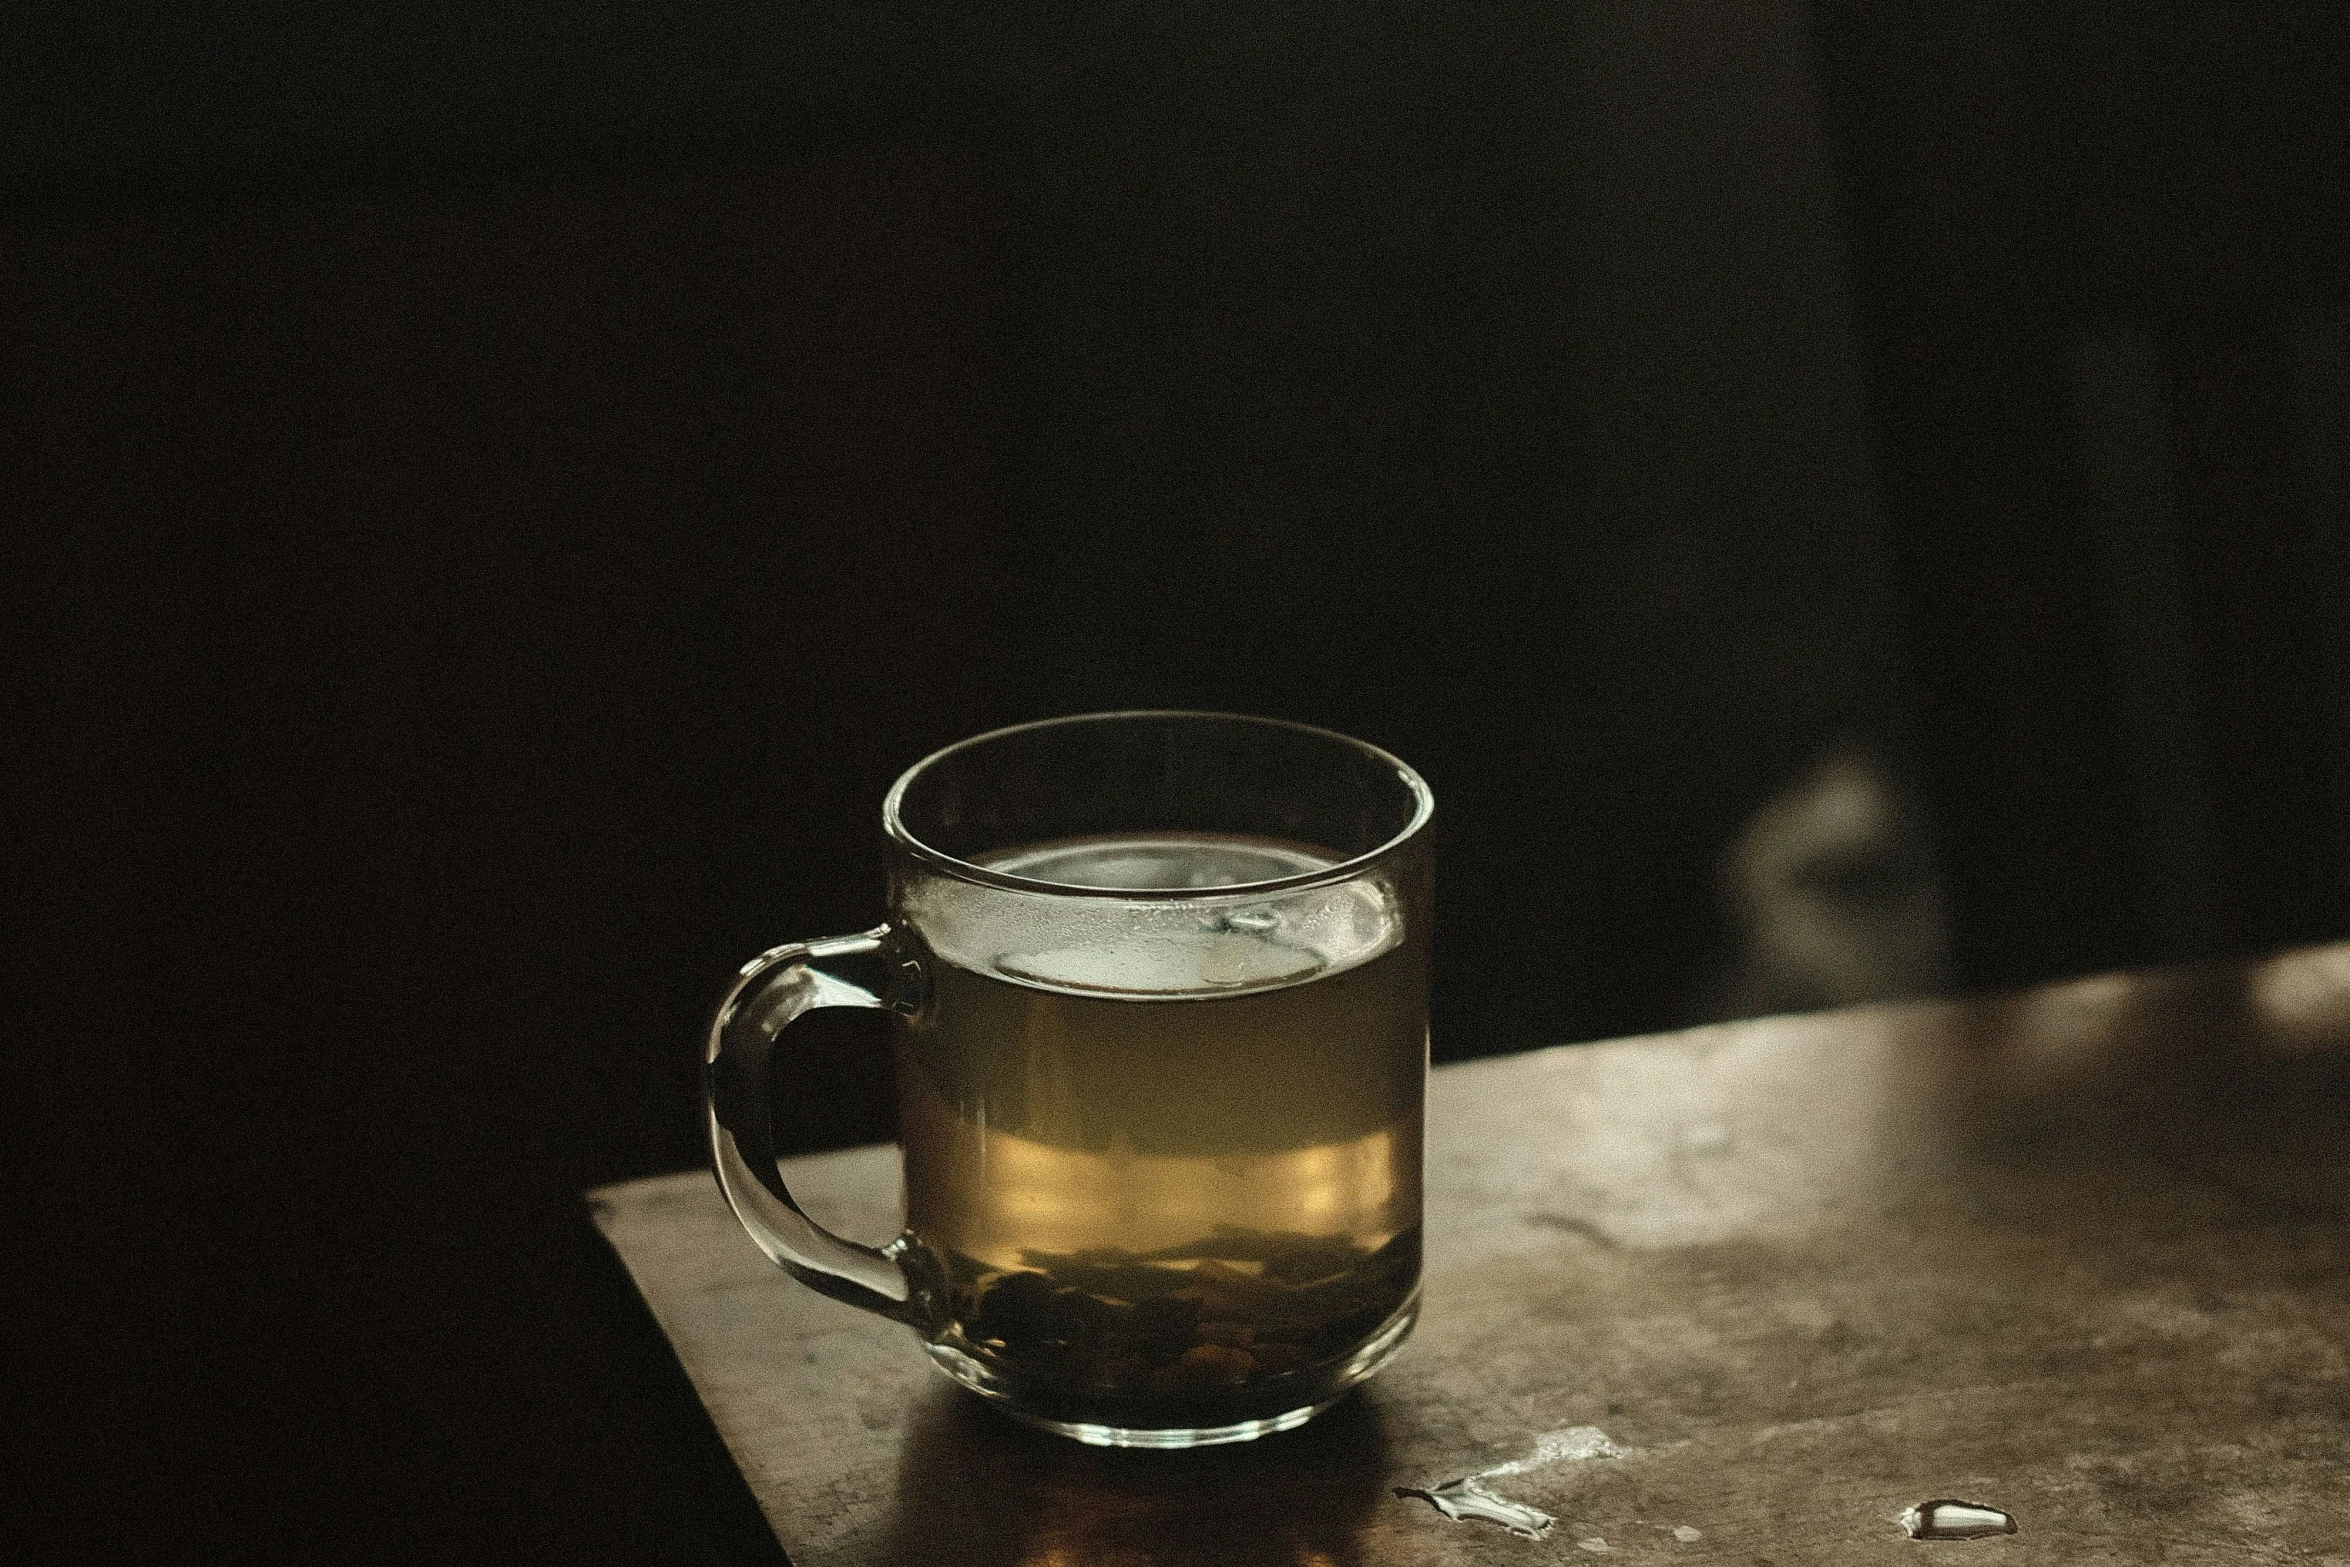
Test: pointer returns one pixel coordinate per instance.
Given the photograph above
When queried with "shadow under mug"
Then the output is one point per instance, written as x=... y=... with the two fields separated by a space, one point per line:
x=1160 y=985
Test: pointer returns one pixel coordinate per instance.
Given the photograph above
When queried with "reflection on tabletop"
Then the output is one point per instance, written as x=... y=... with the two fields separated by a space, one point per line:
x=1007 y=1496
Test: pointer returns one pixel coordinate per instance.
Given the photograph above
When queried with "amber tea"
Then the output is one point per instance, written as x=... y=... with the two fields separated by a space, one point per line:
x=1168 y=1176
x=1161 y=988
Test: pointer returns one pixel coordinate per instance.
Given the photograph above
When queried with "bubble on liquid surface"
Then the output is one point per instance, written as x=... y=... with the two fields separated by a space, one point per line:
x=1178 y=963
x=1144 y=949
x=1949 y=1519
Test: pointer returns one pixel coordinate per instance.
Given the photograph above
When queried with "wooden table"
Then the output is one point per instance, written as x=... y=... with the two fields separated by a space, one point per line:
x=2080 y=1253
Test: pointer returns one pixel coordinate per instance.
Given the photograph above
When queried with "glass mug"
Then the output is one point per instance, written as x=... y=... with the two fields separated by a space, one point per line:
x=1161 y=1049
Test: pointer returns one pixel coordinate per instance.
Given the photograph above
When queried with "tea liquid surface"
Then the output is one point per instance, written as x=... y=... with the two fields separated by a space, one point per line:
x=1157 y=1162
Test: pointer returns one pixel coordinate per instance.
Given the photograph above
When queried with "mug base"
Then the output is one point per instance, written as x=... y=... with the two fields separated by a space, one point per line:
x=1327 y=1388
x=1093 y=1435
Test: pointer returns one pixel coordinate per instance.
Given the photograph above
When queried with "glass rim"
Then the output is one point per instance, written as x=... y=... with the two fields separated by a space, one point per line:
x=894 y=826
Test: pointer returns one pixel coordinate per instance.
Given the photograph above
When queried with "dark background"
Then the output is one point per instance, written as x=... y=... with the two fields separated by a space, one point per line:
x=496 y=492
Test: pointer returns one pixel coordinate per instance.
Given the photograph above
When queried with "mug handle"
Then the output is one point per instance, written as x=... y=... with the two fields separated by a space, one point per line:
x=773 y=989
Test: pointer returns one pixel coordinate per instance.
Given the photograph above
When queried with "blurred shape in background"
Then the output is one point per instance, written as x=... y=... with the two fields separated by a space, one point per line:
x=1831 y=896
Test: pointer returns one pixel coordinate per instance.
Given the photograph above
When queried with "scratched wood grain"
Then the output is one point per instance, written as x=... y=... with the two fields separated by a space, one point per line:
x=2082 y=1253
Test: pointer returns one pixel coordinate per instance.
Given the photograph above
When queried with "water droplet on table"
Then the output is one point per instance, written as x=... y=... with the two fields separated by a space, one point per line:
x=1950 y=1519
x=1464 y=1500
